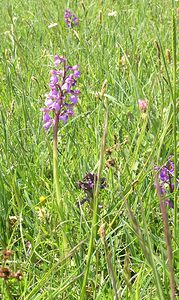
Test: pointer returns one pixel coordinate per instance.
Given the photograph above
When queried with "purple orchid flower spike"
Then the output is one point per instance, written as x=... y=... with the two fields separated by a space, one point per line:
x=165 y=176
x=59 y=106
x=87 y=185
x=71 y=19
x=62 y=96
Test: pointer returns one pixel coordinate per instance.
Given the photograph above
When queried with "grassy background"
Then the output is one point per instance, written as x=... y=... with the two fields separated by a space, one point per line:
x=27 y=50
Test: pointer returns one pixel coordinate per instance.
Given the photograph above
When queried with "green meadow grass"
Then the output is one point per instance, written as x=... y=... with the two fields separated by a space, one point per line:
x=129 y=50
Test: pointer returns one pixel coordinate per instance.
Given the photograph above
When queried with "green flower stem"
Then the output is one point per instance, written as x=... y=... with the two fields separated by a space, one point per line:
x=55 y=165
x=56 y=181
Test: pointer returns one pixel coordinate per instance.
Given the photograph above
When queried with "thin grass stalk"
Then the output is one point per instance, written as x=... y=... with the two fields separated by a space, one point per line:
x=127 y=274
x=127 y=193
x=112 y=274
x=147 y=252
x=8 y=290
x=167 y=235
x=95 y=198
x=174 y=122
x=97 y=268
x=70 y=282
x=152 y=263
x=56 y=267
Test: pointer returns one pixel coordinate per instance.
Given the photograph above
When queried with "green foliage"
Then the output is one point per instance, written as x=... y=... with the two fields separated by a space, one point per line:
x=129 y=51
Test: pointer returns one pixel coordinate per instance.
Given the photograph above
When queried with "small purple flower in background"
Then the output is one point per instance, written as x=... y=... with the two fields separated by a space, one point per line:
x=165 y=176
x=169 y=203
x=70 y=19
x=143 y=105
x=87 y=185
x=62 y=96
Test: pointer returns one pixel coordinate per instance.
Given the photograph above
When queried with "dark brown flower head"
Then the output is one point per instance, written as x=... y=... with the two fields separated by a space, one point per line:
x=12 y=220
x=5 y=273
x=87 y=185
x=6 y=254
x=110 y=163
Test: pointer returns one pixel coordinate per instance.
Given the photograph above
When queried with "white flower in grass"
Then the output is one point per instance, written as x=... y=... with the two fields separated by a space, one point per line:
x=52 y=25
x=112 y=13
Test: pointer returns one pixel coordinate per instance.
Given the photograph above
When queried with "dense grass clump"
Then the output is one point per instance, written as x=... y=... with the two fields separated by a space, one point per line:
x=108 y=227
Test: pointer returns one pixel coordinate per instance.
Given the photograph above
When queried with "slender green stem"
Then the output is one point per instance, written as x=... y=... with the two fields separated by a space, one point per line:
x=60 y=205
x=55 y=166
x=167 y=235
x=111 y=271
x=174 y=121
x=147 y=250
x=95 y=205
x=9 y=293
x=56 y=181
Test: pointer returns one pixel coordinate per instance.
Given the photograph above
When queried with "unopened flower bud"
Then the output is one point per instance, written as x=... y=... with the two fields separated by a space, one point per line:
x=123 y=60
x=143 y=105
x=102 y=232
x=103 y=88
x=168 y=55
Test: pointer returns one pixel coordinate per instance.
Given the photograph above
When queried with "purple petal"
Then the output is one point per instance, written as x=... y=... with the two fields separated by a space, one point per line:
x=49 y=103
x=47 y=125
x=66 y=87
x=70 y=112
x=74 y=99
x=46 y=117
x=162 y=190
x=53 y=72
x=63 y=118
x=75 y=68
x=76 y=92
x=169 y=203
x=76 y=74
x=60 y=72
x=164 y=174
x=170 y=167
x=53 y=94
x=57 y=60
x=56 y=106
x=53 y=79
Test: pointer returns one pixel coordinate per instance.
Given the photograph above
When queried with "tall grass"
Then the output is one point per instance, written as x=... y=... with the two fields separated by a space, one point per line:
x=125 y=42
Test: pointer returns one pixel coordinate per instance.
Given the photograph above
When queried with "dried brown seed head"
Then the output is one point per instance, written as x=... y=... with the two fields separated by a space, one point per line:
x=168 y=55
x=103 y=88
x=110 y=163
x=102 y=232
x=6 y=254
x=12 y=220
